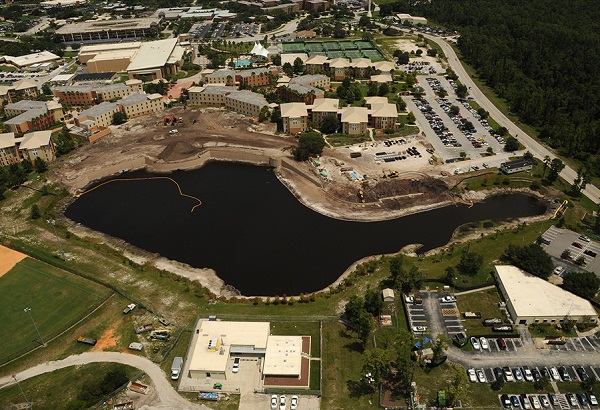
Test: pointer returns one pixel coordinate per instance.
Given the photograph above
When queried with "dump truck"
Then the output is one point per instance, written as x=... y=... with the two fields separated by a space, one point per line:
x=87 y=340
x=176 y=368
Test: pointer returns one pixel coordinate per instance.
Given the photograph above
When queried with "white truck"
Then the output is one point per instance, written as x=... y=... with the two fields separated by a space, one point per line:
x=176 y=368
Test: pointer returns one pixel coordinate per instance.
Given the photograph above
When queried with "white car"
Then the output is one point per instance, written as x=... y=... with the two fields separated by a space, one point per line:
x=558 y=270
x=282 y=403
x=472 y=375
x=475 y=343
x=448 y=299
x=484 y=343
x=294 y=403
x=274 y=401
x=535 y=402
x=528 y=375
x=593 y=399
x=236 y=365
x=173 y=131
x=409 y=298
x=481 y=376
x=419 y=329
x=554 y=374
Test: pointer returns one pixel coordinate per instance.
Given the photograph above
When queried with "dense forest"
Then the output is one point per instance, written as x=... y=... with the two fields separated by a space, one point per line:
x=542 y=56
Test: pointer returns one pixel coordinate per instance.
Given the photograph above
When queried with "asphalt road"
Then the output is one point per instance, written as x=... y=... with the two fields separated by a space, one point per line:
x=537 y=149
x=169 y=398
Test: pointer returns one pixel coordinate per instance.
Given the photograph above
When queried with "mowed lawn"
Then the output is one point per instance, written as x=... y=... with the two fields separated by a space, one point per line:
x=57 y=300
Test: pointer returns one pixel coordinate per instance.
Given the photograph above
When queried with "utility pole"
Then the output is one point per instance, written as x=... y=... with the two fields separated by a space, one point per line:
x=28 y=310
x=22 y=392
x=53 y=223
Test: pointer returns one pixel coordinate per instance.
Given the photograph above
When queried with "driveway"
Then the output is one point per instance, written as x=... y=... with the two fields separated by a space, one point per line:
x=169 y=398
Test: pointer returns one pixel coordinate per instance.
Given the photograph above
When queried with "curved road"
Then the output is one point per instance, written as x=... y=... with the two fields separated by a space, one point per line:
x=169 y=398
x=537 y=149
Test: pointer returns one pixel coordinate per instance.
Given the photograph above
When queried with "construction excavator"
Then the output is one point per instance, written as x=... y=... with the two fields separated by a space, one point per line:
x=361 y=196
x=388 y=173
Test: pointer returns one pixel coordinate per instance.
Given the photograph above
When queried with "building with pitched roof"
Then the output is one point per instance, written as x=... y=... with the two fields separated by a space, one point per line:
x=354 y=120
x=224 y=77
x=339 y=68
x=210 y=95
x=245 y=102
x=294 y=117
x=31 y=59
x=316 y=64
x=92 y=93
x=100 y=115
x=138 y=104
x=323 y=107
x=9 y=153
x=32 y=115
x=38 y=144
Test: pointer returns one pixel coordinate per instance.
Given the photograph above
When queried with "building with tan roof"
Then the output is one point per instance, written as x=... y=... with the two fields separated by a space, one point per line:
x=381 y=78
x=294 y=117
x=354 y=120
x=32 y=115
x=323 y=107
x=156 y=59
x=209 y=95
x=38 y=144
x=9 y=153
x=338 y=68
x=113 y=30
x=246 y=102
x=139 y=104
x=316 y=64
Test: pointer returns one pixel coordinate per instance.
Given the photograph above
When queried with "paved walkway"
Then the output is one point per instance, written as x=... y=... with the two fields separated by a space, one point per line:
x=475 y=290
x=169 y=398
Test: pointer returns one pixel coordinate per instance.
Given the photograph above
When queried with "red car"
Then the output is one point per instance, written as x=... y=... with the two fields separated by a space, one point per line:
x=577 y=245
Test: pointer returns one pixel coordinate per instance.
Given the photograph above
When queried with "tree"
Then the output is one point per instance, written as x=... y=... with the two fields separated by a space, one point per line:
x=372 y=89
x=547 y=162
x=584 y=284
x=566 y=254
x=403 y=58
x=439 y=346
x=46 y=89
x=377 y=362
x=263 y=114
x=502 y=131
x=288 y=69
x=27 y=165
x=483 y=113
x=454 y=110
x=298 y=66
x=330 y=124
x=556 y=166
x=512 y=144
x=541 y=384
x=119 y=118
x=276 y=60
x=364 y=21
x=419 y=52
x=462 y=91
x=401 y=104
x=309 y=143
x=432 y=52
x=458 y=385
x=410 y=118
x=384 y=89
x=470 y=263
x=373 y=301
x=35 y=212
x=531 y=258
x=498 y=384
x=63 y=142
x=40 y=165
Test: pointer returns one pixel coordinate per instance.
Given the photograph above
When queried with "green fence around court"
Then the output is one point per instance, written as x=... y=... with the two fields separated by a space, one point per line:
x=336 y=49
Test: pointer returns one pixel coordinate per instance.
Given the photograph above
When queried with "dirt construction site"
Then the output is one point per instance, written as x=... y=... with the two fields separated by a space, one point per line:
x=335 y=184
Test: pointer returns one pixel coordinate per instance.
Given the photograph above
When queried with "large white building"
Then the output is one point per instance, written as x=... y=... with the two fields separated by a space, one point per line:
x=530 y=299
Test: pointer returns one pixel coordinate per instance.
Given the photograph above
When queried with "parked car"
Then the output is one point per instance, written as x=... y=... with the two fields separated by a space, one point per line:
x=584 y=238
x=515 y=401
x=448 y=299
x=553 y=399
x=535 y=403
x=536 y=375
x=282 y=403
x=571 y=399
x=577 y=245
x=294 y=403
x=518 y=374
x=505 y=400
x=472 y=375
x=564 y=374
x=582 y=398
x=544 y=401
x=558 y=270
x=501 y=343
x=527 y=374
x=484 y=344
x=419 y=329
x=236 y=365
x=508 y=375
x=481 y=376
x=582 y=373
x=498 y=373
x=592 y=399
x=554 y=374
x=474 y=343
x=274 y=401
x=525 y=402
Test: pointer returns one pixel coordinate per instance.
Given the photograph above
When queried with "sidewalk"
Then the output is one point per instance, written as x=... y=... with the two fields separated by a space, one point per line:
x=475 y=290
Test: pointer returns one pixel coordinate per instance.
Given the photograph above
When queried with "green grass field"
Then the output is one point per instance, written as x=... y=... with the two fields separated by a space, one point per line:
x=57 y=300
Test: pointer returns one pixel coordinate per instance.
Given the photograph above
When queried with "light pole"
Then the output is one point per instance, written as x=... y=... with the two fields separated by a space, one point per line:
x=22 y=392
x=53 y=223
x=28 y=310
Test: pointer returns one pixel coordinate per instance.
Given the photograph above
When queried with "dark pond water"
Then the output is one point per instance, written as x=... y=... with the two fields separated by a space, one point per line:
x=254 y=232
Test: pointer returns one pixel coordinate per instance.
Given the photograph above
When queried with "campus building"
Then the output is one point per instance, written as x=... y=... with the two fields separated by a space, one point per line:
x=29 y=60
x=294 y=117
x=530 y=299
x=157 y=59
x=246 y=102
x=294 y=92
x=138 y=104
x=222 y=77
x=323 y=107
x=100 y=115
x=108 y=30
x=515 y=166
x=382 y=114
x=216 y=343
x=38 y=144
x=355 y=120
x=19 y=90
x=32 y=115
x=9 y=152
x=210 y=95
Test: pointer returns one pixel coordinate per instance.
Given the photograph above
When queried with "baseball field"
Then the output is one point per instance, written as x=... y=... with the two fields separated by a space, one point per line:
x=56 y=299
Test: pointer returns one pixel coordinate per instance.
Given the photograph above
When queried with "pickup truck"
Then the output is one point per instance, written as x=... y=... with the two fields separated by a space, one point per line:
x=129 y=308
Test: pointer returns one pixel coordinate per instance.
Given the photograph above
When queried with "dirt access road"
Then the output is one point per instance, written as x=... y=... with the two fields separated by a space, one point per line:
x=168 y=397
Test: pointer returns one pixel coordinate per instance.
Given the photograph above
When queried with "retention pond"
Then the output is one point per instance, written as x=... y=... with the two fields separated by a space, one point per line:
x=255 y=234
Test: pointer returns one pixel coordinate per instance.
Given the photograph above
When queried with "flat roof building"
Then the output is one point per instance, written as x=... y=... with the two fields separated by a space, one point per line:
x=108 y=30
x=30 y=59
x=530 y=299
x=515 y=166
x=156 y=59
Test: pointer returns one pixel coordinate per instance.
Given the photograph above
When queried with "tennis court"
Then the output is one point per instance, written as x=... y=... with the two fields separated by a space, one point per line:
x=293 y=47
x=374 y=55
x=335 y=54
x=347 y=45
x=364 y=45
x=353 y=54
x=331 y=46
x=313 y=47
x=336 y=49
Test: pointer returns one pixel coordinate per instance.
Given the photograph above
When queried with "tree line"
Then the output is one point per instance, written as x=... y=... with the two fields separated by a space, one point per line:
x=542 y=57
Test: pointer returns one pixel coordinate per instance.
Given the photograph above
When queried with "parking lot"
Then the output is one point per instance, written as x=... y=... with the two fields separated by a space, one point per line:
x=560 y=400
x=454 y=130
x=564 y=239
